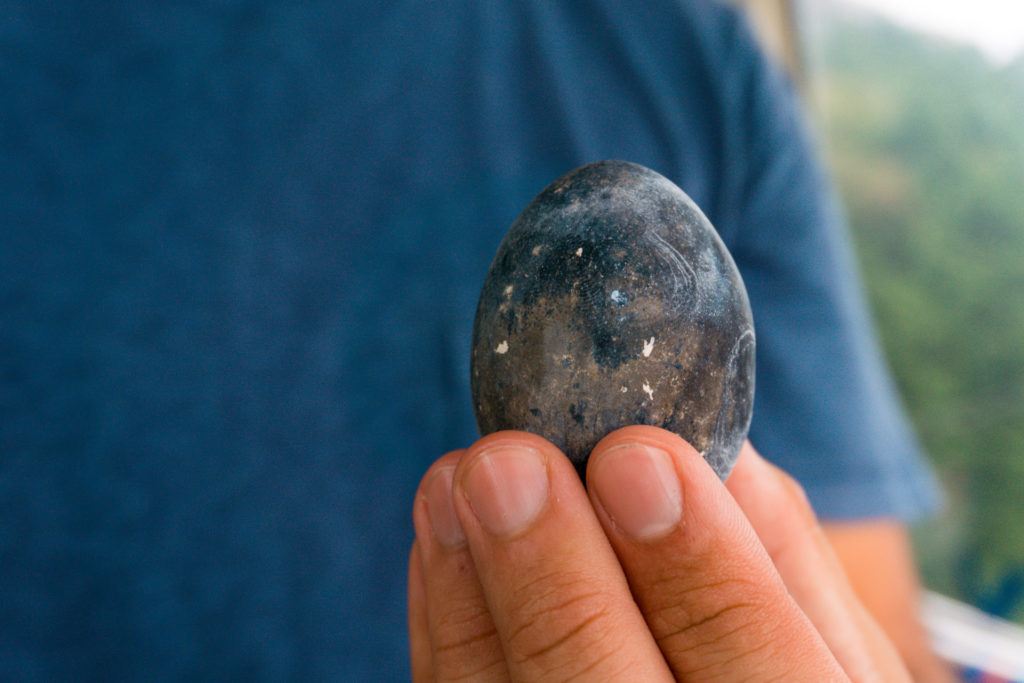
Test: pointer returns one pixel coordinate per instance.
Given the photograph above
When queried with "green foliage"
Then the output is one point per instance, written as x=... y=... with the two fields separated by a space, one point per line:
x=927 y=144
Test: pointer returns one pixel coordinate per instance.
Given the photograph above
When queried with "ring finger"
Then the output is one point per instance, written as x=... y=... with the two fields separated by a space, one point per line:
x=463 y=641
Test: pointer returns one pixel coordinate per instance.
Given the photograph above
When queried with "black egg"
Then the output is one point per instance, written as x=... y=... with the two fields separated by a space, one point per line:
x=612 y=302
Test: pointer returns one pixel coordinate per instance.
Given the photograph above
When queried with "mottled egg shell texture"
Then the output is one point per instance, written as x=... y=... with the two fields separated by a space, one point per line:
x=611 y=302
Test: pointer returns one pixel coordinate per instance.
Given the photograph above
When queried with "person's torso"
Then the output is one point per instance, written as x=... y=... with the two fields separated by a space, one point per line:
x=244 y=246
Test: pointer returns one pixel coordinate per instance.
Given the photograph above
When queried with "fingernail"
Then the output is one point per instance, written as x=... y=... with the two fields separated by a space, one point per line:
x=440 y=510
x=638 y=487
x=507 y=487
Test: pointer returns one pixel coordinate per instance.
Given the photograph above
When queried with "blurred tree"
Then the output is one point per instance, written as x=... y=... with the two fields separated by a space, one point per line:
x=927 y=142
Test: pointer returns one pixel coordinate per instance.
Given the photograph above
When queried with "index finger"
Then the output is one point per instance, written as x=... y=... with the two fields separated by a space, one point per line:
x=559 y=600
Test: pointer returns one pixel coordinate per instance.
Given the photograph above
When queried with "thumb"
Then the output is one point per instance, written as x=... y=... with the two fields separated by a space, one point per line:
x=709 y=592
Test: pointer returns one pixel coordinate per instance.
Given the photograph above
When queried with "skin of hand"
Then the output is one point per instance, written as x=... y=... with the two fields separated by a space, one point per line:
x=656 y=572
x=878 y=560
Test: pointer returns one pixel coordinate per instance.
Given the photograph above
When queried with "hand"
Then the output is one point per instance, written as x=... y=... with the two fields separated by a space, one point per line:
x=658 y=572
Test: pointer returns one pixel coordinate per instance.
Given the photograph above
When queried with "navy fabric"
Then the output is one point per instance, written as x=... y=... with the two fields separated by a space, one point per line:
x=240 y=253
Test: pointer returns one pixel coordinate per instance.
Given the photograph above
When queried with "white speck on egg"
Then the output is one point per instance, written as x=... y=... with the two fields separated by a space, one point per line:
x=649 y=391
x=502 y=347
x=579 y=252
x=648 y=347
x=623 y=389
x=508 y=290
x=536 y=250
x=618 y=297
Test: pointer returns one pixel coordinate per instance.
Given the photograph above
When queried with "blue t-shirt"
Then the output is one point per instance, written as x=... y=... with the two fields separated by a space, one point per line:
x=241 y=248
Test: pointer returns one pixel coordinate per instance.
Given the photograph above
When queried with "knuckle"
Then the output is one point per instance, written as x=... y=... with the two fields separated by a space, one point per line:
x=703 y=614
x=466 y=644
x=710 y=629
x=559 y=614
x=787 y=520
x=797 y=520
x=488 y=671
x=796 y=498
x=461 y=625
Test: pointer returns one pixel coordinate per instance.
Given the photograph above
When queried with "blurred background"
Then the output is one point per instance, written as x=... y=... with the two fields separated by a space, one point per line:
x=920 y=107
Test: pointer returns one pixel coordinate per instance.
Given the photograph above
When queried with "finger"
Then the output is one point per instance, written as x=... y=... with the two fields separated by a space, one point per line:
x=877 y=559
x=777 y=508
x=419 y=637
x=558 y=597
x=464 y=644
x=708 y=590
